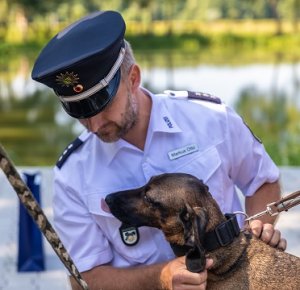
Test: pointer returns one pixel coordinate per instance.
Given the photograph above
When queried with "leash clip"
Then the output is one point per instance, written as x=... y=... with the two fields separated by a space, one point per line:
x=283 y=204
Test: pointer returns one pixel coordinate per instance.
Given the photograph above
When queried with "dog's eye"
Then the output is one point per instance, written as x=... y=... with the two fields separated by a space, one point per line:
x=184 y=215
x=147 y=199
x=150 y=202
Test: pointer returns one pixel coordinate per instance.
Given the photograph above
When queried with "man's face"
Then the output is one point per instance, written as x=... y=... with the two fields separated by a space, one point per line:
x=117 y=118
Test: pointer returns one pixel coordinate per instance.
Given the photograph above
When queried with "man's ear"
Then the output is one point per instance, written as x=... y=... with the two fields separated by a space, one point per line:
x=134 y=77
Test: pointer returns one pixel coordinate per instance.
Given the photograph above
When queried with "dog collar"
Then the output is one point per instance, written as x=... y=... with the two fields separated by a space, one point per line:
x=223 y=234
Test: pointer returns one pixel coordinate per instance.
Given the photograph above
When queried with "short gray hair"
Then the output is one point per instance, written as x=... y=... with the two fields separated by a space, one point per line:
x=128 y=60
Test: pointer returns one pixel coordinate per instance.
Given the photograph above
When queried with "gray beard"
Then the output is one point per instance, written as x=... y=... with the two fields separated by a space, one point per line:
x=130 y=118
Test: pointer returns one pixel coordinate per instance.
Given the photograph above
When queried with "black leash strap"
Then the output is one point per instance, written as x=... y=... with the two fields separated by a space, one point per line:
x=35 y=211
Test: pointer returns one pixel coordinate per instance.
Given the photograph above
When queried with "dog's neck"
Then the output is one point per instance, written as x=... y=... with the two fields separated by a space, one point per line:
x=227 y=258
x=223 y=242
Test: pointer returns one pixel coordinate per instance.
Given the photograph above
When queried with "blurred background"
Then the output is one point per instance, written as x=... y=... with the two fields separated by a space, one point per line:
x=245 y=52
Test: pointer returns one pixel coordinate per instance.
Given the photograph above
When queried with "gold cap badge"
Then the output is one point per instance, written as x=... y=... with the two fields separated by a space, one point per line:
x=67 y=79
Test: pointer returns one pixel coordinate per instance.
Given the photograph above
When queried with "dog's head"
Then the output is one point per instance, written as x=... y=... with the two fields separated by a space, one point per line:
x=178 y=204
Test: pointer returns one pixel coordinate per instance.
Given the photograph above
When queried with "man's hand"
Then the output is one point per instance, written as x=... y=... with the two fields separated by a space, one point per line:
x=175 y=276
x=268 y=234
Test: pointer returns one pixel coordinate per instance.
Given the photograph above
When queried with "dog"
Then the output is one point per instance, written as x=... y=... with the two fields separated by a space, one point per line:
x=182 y=207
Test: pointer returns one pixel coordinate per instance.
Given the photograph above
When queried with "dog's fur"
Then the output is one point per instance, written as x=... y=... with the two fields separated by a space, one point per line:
x=182 y=207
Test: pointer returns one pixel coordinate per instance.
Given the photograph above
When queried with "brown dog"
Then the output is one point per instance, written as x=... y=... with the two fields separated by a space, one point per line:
x=182 y=207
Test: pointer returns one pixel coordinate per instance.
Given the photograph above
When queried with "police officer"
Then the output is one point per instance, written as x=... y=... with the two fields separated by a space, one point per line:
x=132 y=134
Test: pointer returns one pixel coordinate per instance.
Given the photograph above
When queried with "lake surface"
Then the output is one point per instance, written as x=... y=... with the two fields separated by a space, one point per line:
x=34 y=129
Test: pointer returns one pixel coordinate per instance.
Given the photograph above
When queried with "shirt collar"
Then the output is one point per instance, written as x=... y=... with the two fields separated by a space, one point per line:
x=161 y=120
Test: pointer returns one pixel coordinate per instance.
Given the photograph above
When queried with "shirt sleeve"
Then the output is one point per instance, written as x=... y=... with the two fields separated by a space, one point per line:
x=251 y=164
x=80 y=234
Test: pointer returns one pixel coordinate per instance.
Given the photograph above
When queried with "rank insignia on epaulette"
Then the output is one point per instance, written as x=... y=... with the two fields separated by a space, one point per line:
x=204 y=97
x=193 y=95
x=67 y=152
x=129 y=235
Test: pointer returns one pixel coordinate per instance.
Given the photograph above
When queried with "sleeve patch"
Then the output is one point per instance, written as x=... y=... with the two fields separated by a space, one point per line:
x=68 y=151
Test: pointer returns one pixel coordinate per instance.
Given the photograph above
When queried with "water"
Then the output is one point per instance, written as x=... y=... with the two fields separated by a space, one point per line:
x=227 y=82
x=35 y=130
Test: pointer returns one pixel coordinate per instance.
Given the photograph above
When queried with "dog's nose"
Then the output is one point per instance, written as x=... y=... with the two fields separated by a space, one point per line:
x=109 y=199
x=104 y=205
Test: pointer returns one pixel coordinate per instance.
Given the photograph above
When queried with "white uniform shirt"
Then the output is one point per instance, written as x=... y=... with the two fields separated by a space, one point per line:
x=201 y=138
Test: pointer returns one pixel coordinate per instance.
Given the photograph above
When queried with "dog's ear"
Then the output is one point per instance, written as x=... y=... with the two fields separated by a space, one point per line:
x=199 y=223
x=185 y=217
x=194 y=221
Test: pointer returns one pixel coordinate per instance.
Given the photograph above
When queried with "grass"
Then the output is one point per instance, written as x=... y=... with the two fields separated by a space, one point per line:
x=189 y=36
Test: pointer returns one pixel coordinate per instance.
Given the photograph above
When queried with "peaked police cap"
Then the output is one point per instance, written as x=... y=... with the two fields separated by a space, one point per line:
x=82 y=63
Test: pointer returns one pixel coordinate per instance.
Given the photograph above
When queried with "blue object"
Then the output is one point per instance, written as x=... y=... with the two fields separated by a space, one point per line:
x=30 y=248
x=82 y=63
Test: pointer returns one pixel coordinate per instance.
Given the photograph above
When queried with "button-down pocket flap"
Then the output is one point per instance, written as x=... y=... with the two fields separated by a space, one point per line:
x=202 y=165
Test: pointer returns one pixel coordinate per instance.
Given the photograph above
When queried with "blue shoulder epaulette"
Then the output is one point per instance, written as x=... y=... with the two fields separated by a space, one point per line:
x=193 y=95
x=68 y=151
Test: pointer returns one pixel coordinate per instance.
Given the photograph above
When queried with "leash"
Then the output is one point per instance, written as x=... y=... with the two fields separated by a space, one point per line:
x=28 y=200
x=275 y=208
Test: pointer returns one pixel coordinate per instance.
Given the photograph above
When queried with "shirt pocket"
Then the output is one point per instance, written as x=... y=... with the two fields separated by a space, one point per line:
x=207 y=166
x=135 y=254
x=203 y=165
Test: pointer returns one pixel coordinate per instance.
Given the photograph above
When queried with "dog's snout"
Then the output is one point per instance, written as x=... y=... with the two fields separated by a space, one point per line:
x=109 y=199
x=112 y=203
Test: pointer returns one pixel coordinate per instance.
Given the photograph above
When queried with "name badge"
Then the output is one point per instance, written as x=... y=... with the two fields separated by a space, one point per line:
x=177 y=153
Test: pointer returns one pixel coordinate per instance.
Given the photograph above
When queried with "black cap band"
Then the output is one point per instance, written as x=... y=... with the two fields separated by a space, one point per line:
x=94 y=104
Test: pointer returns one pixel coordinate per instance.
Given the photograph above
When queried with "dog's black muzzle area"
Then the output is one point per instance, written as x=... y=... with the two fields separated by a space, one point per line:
x=123 y=210
x=115 y=205
x=109 y=199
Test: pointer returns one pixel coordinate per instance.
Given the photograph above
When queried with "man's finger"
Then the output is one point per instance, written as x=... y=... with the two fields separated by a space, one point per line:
x=256 y=227
x=268 y=233
x=282 y=244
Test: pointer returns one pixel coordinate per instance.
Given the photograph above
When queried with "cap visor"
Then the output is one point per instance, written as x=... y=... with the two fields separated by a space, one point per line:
x=95 y=103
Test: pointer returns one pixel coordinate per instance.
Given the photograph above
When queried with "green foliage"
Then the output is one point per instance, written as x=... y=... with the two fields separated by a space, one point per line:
x=205 y=31
x=275 y=121
x=32 y=124
x=36 y=21
x=182 y=42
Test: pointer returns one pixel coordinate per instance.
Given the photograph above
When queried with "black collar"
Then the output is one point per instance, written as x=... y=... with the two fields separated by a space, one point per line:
x=221 y=236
